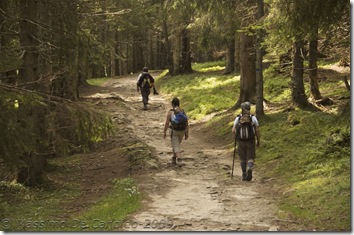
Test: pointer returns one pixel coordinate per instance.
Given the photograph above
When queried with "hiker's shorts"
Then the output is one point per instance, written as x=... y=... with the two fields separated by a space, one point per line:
x=176 y=139
x=246 y=150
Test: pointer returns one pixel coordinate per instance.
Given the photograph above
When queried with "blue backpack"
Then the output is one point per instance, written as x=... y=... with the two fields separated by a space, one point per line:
x=179 y=120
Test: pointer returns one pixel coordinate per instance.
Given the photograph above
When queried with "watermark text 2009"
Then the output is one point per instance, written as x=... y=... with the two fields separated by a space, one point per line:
x=77 y=224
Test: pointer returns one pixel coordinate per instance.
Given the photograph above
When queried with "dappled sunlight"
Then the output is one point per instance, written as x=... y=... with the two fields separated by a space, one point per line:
x=311 y=184
x=210 y=94
x=209 y=66
x=212 y=69
x=96 y=81
x=204 y=83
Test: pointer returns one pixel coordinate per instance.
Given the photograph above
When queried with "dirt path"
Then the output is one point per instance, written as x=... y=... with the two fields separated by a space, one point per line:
x=199 y=196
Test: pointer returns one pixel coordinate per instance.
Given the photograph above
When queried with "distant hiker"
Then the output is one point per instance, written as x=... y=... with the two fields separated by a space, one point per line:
x=144 y=83
x=177 y=121
x=245 y=129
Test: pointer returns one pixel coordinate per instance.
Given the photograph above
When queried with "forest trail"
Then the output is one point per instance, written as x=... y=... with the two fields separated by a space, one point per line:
x=200 y=195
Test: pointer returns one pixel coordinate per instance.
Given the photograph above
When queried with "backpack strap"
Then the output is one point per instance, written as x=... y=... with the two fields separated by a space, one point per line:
x=251 y=116
x=171 y=110
x=238 y=116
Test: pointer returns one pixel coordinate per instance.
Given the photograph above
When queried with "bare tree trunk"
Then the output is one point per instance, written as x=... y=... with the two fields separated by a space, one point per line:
x=186 y=62
x=137 y=57
x=71 y=81
x=28 y=33
x=298 y=90
x=177 y=53
x=315 y=91
x=9 y=76
x=237 y=53
x=230 y=57
x=45 y=49
x=32 y=170
x=248 y=68
x=117 y=70
x=3 y=41
x=168 y=47
x=83 y=66
x=259 y=60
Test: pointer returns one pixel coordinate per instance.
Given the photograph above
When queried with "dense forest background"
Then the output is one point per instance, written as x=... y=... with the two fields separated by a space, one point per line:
x=51 y=48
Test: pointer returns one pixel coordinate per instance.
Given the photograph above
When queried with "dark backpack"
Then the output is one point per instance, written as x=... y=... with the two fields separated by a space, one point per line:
x=145 y=81
x=244 y=128
x=179 y=120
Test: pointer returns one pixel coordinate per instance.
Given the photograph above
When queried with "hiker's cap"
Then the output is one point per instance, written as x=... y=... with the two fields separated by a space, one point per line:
x=246 y=105
x=145 y=69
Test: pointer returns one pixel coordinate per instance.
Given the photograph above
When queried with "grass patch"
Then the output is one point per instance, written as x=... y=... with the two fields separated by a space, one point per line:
x=276 y=86
x=209 y=66
x=48 y=206
x=35 y=209
x=110 y=213
x=202 y=93
x=96 y=81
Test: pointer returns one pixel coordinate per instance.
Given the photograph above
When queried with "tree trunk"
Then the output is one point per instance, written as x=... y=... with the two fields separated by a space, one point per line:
x=248 y=70
x=315 y=91
x=3 y=41
x=298 y=90
x=71 y=80
x=118 y=54
x=177 y=54
x=237 y=53
x=166 y=40
x=83 y=66
x=259 y=60
x=30 y=173
x=45 y=53
x=28 y=32
x=230 y=57
x=186 y=62
x=9 y=76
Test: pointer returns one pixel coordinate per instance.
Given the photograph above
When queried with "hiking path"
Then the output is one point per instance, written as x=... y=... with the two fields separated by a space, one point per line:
x=200 y=195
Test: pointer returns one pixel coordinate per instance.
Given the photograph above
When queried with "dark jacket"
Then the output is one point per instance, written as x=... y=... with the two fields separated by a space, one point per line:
x=142 y=83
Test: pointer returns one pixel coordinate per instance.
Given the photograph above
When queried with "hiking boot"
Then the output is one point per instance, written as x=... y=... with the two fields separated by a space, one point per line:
x=249 y=174
x=145 y=107
x=174 y=161
x=179 y=162
x=244 y=176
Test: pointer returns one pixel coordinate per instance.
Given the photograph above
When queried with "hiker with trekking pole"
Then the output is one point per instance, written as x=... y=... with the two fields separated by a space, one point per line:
x=245 y=131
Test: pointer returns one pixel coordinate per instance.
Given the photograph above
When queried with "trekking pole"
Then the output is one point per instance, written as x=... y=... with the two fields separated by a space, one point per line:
x=233 y=160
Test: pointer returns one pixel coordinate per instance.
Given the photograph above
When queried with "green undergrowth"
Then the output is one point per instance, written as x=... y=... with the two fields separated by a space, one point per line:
x=42 y=126
x=202 y=93
x=35 y=208
x=309 y=152
x=110 y=213
x=96 y=81
x=62 y=130
x=39 y=209
x=306 y=152
x=58 y=204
